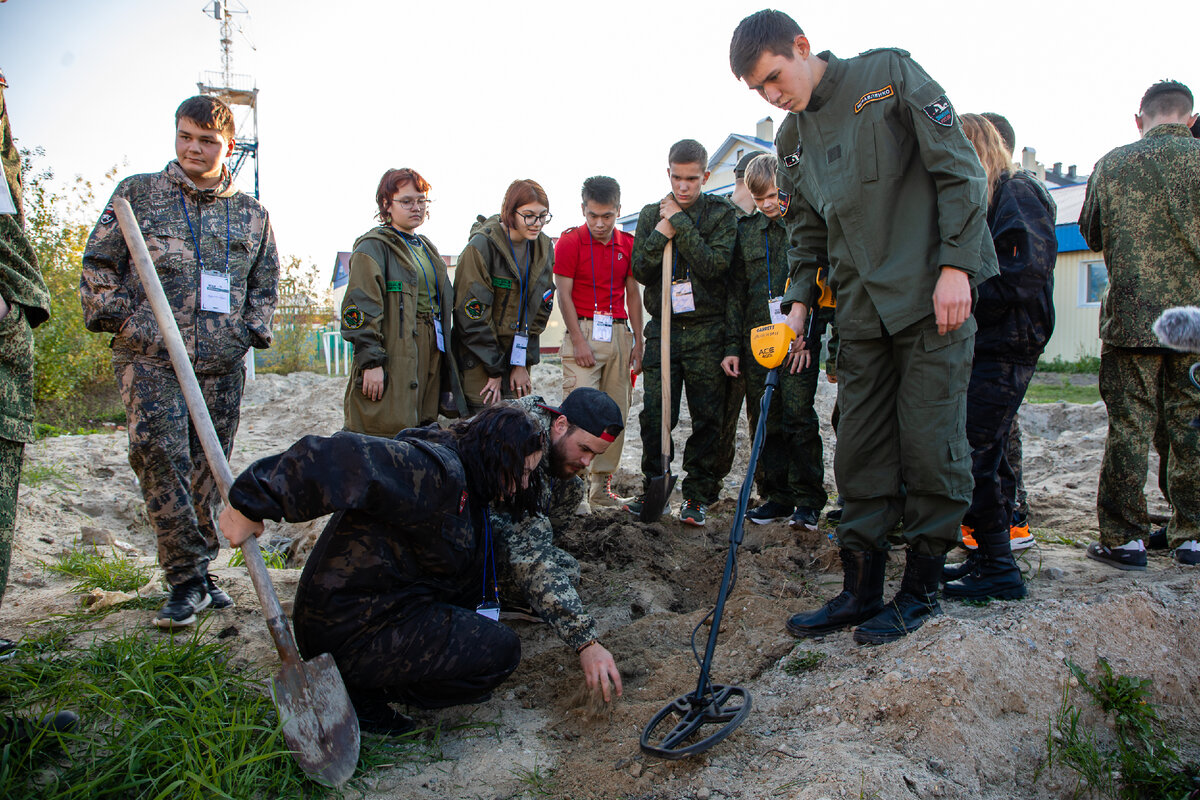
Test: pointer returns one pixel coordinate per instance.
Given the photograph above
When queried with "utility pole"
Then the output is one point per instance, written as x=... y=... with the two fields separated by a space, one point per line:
x=235 y=90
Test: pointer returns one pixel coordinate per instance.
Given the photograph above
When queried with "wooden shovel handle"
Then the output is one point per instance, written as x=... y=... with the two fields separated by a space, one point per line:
x=665 y=352
x=276 y=621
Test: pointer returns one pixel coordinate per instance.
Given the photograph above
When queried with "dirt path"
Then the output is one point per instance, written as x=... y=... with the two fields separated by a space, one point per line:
x=957 y=710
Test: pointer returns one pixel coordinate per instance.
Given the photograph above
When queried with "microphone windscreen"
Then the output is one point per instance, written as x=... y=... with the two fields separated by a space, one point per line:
x=1179 y=328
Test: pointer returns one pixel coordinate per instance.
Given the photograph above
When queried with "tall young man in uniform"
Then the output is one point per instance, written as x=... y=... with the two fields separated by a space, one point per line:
x=703 y=228
x=599 y=300
x=1142 y=209
x=791 y=468
x=889 y=192
x=215 y=255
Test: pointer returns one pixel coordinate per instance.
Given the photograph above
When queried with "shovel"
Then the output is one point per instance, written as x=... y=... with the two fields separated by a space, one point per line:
x=319 y=723
x=658 y=491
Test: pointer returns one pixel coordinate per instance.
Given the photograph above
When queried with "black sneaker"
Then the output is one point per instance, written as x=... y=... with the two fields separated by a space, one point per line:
x=383 y=720
x=634 y=506
x=220 y=599
x=14 y=730
x=1188 y=553
x=769 y=511
x=1158 y=540
x=187 y=600
x=1130 y=560
x=807 y=518
x=692 y=513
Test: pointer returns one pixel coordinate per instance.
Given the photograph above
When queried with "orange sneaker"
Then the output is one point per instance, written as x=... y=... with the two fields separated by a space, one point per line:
x=967 y=539
x=1019 y=536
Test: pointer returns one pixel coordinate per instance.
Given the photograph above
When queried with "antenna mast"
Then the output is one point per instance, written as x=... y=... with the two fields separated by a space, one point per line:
x=235 y=90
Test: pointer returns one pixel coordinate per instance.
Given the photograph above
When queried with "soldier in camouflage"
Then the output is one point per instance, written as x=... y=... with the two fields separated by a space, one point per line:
x=1142 y=209
x=791 y=467
x=24 y=304
x=532 y=568
x=703 y=228
x=214 y=252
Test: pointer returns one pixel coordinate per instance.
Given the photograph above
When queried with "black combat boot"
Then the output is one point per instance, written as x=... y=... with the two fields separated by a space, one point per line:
x=911 y=607
x=955 y=571
x=993 y=572
x=861 y=597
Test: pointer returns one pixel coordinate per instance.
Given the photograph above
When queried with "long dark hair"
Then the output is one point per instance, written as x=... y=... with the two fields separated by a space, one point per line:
x=493 y=446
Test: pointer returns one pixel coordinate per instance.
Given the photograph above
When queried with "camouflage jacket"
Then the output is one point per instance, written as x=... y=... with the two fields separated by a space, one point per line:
x=22 y=287
x=759 y=238
x=232 y=234
x=405 y=529
x=704 y=237
x=1143 y=210
x=489 y=309
x=541 y=572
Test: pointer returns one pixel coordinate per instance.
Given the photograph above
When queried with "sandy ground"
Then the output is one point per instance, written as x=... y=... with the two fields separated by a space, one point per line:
x=959 y=709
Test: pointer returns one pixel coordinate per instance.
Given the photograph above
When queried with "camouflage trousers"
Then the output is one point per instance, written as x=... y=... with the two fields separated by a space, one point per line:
x=11 y=454
x=791 y=466
x=1137 y=387
x=696 y=353
x=994 y=396
x=435 y=655
x=167 y=458
x=1012 y=481
x=902 y=450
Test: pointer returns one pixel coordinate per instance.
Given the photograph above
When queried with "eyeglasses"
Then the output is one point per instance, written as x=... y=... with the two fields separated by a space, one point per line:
x=535 y=219
x=410 y=203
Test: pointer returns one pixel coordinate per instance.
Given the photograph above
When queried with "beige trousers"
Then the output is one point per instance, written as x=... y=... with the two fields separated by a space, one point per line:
x=610 y=374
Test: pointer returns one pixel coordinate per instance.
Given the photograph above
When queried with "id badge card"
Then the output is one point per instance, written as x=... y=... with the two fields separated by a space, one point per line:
x=602 y=328
x=214 y=292
x=682 y=300
x=489 y=609
x=775 y=304
x=520 y=345
x=437 y=332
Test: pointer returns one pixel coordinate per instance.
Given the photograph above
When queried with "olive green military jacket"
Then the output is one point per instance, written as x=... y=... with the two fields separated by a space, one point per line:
x=704 y=237
x=487 y=297
x=379 y=318
x=1142 y=209
x=22 y=287
x=883 y=186
x=186 y=228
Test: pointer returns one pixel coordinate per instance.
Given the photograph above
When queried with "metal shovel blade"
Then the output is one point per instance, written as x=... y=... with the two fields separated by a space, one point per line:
x=319 y=723
x=658 y=493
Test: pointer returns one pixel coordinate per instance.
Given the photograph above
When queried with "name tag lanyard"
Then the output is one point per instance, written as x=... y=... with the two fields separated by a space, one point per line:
x=196 y=246
x=774 y=302
x=612 y=275
x=489 y=608
x=435 y=305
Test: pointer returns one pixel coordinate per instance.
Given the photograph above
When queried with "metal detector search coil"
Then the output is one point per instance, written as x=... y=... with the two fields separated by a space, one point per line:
x=770 y=344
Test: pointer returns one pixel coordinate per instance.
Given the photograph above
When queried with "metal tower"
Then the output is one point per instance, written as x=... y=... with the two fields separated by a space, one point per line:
x=234 y=90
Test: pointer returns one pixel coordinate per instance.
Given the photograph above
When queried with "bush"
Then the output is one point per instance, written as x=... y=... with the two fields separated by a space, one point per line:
x=303 y=310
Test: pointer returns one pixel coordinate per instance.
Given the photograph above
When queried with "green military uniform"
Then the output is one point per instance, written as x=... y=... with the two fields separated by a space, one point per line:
x=886 y=189
x=187 y=230
x=532 y=569
x=735 y=398
x=704 y=237
x=791 y=468
x=496 y=299
x=24 y=291
x=1143 y=210
x=398 y=289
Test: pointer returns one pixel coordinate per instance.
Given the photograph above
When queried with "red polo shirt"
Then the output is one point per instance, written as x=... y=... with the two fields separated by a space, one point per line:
x=599 y=270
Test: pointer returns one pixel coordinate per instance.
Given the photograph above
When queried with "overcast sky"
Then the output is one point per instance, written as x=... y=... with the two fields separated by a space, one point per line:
x=475 y=94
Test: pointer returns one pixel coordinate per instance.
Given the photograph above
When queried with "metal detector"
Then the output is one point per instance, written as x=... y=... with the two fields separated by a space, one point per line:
x=696 y=721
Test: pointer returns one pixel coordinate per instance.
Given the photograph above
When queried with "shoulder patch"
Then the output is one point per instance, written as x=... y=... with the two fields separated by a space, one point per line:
x=785 y=200
x=793 y=159
x=353 y=318
x=548 y=296
x=940 y=111
x=109 y=216
x=871 y=97
x=473 y=309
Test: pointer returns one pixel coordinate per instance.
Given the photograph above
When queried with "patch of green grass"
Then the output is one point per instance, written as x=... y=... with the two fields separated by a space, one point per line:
x=803 y=661
x=96 y=571
x=538 y=782
x=1142 y=764
x=1066 y=392
x=274 y=559
x=1048 y=536
x=1085 y=365
x=37 y=474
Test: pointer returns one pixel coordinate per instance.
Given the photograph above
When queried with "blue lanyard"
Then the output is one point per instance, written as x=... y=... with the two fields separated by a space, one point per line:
x=612 y=273
x=436 y=305
x=491 y=555
x=195 y=241
x=767 y=243
x=524 y=284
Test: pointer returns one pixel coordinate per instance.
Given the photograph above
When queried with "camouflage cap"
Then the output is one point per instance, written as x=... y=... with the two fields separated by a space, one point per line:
x=592 y=410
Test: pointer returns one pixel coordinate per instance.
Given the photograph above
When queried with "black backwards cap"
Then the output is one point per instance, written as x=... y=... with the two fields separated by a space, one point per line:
x=592 y=410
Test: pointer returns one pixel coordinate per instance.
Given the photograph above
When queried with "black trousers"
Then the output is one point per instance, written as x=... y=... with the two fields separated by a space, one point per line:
x=993 y=398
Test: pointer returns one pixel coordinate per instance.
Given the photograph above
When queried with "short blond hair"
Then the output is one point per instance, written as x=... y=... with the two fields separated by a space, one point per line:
x=760 y=174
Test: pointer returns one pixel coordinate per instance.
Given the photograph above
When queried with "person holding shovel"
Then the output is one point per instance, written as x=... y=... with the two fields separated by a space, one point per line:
x=214 y=251
x=702 y=229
